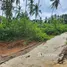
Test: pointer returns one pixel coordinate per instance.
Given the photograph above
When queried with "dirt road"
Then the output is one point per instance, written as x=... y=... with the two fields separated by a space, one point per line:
x=45 y=55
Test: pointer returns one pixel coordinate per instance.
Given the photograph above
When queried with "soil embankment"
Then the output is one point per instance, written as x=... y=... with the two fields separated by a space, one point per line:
x=44 y=55
x=9 y=50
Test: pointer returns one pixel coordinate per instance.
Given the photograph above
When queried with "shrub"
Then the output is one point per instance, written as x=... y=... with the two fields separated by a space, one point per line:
x=26 y=29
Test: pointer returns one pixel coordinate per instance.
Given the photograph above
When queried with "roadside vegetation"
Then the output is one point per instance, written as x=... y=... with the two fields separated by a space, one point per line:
x=31 y=30
x=21 y=27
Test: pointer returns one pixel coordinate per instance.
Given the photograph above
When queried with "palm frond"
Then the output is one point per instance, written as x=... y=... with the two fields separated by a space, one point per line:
x=55 y=3
x=17 y=1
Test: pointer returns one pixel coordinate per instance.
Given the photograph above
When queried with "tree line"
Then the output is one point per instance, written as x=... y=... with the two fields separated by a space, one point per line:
x=21 y=27
x=8 y=8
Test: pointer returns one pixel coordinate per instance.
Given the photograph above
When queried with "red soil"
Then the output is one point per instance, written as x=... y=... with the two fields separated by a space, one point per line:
x=8 y=48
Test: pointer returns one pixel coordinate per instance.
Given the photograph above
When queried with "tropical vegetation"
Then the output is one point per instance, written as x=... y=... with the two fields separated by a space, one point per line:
x=20 y=26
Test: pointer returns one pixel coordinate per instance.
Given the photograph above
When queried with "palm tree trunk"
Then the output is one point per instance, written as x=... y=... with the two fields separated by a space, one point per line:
x=25 y=6
x=38 y=2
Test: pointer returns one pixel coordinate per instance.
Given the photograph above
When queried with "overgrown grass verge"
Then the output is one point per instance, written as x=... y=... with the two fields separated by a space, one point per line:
x=26 y=29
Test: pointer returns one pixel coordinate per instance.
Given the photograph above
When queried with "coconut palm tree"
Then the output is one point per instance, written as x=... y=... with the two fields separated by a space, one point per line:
x=31 y=6
x=17 y=1
x=36 y=10
x=55 y=3
x=7 y=7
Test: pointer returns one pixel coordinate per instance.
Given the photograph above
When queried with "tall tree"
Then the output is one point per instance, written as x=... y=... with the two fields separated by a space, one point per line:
x=7 y=6
x=25 y=7
x=37 y=10
x=17 y=1
x=18 y=9
x=31 y=6
x=55 y=3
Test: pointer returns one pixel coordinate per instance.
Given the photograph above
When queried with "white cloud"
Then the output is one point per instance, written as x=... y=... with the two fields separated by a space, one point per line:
x=47 y=11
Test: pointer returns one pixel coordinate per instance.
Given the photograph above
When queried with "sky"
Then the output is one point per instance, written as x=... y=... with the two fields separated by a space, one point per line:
x=46 y=8
x=47 y=11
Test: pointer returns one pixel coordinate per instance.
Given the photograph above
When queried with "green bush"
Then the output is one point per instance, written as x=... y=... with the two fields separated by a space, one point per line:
x=26 y=29
x=38 y=35
x=62 y=28
x=51 y=30
x=22 y=29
